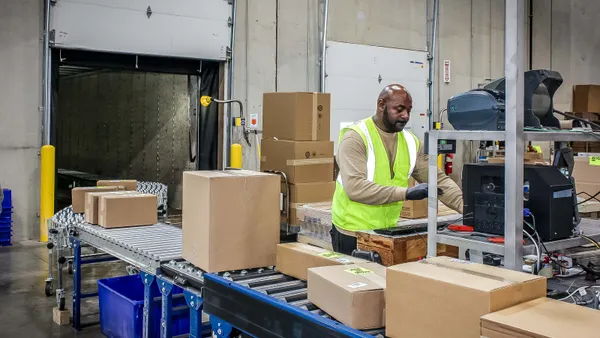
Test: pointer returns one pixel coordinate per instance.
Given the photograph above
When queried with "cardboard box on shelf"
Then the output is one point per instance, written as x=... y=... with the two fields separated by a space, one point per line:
x=445 y=285
x=78 y=196
x=294 y=259
x=129 y=185
x=414 y=209
x=296 y=116
x=302 y=162
x=352 y=294
x=541 y=318
x=585 y=171
x=528 y=158
x=230 y=219
x=126 y=210
x=586 y=98
x=91 y=203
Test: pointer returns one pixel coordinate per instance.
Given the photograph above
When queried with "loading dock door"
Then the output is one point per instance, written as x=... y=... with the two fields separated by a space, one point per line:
x=357 y=73
x=197 y=29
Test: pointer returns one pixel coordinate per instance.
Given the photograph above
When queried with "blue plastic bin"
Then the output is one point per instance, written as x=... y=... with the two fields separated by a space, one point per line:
x=121 y=301
x=7 y=201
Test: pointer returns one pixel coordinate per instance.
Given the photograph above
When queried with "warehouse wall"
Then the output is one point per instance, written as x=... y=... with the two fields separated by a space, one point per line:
x=20 y=120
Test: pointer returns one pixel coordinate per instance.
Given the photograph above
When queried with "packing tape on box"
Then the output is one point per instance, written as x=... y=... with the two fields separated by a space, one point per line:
x=367 y=274
x=310 y=161
x=263 y=159
x=467 y=271
x=315 y=113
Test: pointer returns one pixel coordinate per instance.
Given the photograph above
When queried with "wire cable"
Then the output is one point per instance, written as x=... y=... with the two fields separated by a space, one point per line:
x=537 y=250
x=589 y=199
x=577 y=118
x=590 y=240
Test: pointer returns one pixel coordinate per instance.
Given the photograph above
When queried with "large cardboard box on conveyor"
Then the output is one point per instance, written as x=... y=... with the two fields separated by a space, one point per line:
x=294 y=259
x=78 y=195
x=230 y=219
x=455 y=293
x=542 y=318
x=91 y=203
x=126 y=210
x=302 y=162
x=352 y=294
x=296 y=116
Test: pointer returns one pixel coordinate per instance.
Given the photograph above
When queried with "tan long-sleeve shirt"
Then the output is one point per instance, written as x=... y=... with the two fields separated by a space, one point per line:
x=352 y=161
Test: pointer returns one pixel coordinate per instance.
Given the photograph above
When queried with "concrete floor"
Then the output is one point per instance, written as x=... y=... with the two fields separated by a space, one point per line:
x=24 y=308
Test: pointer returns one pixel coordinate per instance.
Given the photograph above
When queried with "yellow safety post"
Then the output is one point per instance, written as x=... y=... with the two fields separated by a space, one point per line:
x=47 y=172
x=235 y=158
x=441 y=161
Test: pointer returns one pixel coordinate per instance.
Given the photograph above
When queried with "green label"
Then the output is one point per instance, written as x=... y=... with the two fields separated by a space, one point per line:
x=595 y=160
x=358 y=271
x=330 y=254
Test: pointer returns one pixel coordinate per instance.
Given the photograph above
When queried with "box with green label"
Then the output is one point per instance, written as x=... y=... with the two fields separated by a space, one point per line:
x=587 y=174
x=294 y=259
x=352 y=294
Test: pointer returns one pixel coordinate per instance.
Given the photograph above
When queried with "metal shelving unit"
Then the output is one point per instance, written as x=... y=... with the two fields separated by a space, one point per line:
x=515 y=137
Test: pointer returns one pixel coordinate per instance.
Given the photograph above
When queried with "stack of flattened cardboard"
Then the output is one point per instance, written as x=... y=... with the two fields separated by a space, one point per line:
x=297 y=142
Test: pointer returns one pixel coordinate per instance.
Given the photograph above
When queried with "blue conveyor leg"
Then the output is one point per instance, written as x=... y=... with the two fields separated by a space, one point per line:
x=195 y=303
x=220 y=328
x=76 y=244
x=148 y=280
x=166 y=308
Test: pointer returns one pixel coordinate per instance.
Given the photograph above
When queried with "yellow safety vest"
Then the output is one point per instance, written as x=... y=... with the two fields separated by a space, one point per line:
x=352 y=216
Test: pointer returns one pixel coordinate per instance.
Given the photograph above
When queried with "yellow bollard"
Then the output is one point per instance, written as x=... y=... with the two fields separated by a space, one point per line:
x=236 y=156
x=47 y=174
x=441 y=162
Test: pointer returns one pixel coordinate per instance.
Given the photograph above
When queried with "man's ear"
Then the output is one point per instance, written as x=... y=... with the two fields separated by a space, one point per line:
x=381 y=104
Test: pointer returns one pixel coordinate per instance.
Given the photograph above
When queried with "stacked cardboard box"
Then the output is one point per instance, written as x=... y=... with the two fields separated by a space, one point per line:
x=297 y=142
x=78 y=195
x=586 y=105
x=126 y=210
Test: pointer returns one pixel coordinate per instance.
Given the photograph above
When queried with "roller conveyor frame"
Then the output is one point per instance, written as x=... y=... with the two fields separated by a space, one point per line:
x=260 y=303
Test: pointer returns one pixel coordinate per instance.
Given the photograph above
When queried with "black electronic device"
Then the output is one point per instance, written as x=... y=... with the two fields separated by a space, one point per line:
x=444 y=146
x=547 y=193
x=484 y=109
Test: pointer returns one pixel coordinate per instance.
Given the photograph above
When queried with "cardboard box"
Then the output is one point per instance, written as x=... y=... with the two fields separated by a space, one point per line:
x=528 y=158
x=583 y=171
x=129 y=185
x=91 y=203
x=294 y=259
x=296 y=116
x=116 y=210
x=78 y=196
x=301 y=193
x=414 y=209
x=230 y=219
x=586 y=98
x=302 y=162
x=352 y=294
x=458 y=292
x=542 y=318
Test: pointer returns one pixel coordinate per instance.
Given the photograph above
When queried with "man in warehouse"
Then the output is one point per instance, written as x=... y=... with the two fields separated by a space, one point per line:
x=376 y=158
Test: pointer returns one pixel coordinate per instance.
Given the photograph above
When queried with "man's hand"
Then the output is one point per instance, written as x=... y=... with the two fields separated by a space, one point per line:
x=419 y=192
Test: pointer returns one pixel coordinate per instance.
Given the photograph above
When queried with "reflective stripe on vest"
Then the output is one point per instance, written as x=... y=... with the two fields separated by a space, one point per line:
x=410 y=143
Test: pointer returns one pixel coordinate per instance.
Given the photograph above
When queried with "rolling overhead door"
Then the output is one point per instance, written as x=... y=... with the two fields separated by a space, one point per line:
x=198 y=29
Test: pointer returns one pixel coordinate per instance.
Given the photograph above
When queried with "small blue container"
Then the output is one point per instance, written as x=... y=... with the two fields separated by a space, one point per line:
x=7 y=201
x=121 y=301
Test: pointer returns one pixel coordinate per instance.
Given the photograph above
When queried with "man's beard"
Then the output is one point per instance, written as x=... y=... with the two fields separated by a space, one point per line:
x=392 y=127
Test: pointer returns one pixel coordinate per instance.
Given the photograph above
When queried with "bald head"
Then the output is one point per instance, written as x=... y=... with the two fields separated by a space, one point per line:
x=393 y=108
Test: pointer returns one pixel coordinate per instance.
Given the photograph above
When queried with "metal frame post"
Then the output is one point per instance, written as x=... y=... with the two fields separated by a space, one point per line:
x=148 y=281
x=220 y=328
x=432 y=199
x=165 y=288
x=513 y=69
x=76 y=284
x=195 y=302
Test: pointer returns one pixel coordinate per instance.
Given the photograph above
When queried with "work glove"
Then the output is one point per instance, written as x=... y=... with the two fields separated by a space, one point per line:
x=419 y=192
